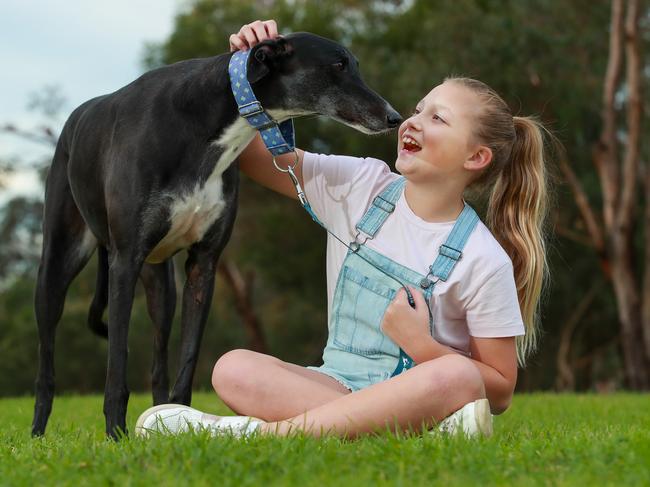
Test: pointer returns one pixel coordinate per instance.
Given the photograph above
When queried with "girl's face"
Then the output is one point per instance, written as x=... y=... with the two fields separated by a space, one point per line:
x=437 y=139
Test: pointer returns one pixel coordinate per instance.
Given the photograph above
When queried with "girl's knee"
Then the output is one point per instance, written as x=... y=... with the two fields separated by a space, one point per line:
x=229 y=367
x=239 y=369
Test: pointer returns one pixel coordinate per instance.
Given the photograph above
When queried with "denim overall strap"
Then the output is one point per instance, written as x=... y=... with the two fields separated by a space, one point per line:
x=452 y=250
x=382 y=206
x=448 y=256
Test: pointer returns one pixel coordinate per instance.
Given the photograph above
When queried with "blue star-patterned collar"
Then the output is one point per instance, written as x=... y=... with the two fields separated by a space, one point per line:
x=278 y=138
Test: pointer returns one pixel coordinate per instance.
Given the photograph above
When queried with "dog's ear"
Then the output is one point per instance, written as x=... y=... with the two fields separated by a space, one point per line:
x=266 y=56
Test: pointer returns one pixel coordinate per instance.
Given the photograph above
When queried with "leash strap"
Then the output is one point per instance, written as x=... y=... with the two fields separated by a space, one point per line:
x=301 y=195
x=278 y=138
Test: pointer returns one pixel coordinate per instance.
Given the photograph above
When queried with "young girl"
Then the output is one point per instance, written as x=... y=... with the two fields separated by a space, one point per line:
x=388 y=363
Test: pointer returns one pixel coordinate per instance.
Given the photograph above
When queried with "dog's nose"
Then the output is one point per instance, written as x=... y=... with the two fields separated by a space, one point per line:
x=393 y=119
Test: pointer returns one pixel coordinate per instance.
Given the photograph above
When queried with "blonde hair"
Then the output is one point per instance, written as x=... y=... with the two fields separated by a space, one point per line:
x=517 y=182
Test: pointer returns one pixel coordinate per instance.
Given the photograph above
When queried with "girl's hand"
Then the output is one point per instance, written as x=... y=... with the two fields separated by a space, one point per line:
x=253 y=33
x=407 y=327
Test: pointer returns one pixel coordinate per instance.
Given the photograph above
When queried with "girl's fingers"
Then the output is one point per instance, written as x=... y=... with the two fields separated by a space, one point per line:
x=253 y=33
x=236 y=44
x=417 y=295
x=401 y=295
x=271 y=28
x=249 y=35
x=260 y=31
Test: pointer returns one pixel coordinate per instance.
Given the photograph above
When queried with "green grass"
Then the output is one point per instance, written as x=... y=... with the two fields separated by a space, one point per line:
x=544 y=439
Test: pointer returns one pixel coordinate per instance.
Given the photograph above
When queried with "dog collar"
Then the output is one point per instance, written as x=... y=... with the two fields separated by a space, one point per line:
x=279 y=138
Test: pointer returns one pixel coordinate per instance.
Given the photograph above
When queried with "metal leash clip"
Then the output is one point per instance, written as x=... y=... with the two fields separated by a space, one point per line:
x=294 y=178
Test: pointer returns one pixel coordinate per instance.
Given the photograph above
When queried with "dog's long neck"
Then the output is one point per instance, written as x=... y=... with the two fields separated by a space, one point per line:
x=208 y=95
x=204 y=92
x=235 y=137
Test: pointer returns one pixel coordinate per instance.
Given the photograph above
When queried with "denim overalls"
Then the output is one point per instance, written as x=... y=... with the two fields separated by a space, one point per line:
x=358 y=353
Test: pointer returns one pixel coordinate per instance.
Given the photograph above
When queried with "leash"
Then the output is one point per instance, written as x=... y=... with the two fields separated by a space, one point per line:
x=279 y=138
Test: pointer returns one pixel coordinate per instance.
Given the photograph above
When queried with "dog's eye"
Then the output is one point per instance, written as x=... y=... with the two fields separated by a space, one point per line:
x=339 y=66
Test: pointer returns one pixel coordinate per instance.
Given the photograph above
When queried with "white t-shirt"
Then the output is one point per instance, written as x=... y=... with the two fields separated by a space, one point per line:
x=480 y=296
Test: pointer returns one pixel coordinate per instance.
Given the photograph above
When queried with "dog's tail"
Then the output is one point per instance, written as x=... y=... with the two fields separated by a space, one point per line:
x=100 y=300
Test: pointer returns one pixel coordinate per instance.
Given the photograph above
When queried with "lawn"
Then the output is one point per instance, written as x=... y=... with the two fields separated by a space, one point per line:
x=544 y=439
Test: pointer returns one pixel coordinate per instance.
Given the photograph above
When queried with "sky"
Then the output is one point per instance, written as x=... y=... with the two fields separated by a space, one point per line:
x=85 y=48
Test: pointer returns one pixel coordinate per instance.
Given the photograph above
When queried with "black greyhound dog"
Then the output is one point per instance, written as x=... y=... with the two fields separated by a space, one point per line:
x=148 y=170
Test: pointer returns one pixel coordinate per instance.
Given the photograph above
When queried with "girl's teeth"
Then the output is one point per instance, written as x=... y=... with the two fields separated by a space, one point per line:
x=410 y=144
x=409 y=140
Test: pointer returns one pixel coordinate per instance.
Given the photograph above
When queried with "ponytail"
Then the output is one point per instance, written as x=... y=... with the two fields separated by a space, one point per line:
x=516 y=209
x=516 y=215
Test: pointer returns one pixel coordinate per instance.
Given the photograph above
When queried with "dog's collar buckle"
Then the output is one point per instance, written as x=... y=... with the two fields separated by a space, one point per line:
x=265 y=126
x=279 y=138
x=250 y=109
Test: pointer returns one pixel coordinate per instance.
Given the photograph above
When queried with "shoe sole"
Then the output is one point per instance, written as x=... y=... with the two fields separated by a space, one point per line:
x=483 y=417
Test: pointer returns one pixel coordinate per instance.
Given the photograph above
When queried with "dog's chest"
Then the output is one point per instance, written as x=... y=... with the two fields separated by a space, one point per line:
x=193 y=213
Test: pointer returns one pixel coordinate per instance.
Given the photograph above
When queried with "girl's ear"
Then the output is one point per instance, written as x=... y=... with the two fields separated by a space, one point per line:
x=480 y=159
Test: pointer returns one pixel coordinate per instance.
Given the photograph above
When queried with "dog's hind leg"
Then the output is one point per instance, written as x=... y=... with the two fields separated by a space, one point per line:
x=160 y=288
x=100 y=300
x=67 y=246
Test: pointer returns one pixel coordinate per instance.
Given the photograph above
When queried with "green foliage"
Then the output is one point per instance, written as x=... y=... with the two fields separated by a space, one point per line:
x=544 y=439
x=20 y=231
x=545 y=57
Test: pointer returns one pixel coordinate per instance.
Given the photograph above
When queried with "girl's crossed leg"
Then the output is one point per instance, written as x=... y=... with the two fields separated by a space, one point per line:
x=290 y=397
x=259 y=385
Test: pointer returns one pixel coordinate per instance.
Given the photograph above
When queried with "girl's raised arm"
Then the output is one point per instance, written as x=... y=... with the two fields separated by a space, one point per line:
x=255 y=160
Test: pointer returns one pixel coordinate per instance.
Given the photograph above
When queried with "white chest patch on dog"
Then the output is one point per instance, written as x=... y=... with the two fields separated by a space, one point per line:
x=193 y=213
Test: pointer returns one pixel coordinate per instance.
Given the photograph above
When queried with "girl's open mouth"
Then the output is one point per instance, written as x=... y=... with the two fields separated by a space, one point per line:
x=409 y=144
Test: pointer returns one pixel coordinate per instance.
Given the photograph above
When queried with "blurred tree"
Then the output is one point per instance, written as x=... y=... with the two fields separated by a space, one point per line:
x=405 y=48
x=616 y=157
x=544 y=56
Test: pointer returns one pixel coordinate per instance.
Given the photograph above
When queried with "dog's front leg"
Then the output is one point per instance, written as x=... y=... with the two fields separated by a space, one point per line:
x=200 y=269
x=123 y=273
x=160 y=288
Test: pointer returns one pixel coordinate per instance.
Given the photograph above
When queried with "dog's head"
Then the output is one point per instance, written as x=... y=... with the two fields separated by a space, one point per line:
x=303 y=74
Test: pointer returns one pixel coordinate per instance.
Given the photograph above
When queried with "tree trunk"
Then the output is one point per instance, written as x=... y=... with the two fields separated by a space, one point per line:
x=565 y=380
x=637 y=368
x=242 y=290
x=618 y=166
x=645 y=294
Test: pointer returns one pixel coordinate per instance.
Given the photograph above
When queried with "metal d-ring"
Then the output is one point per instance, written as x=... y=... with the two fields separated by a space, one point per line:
x=427 y=282
x=356 y=243
x=289 y=168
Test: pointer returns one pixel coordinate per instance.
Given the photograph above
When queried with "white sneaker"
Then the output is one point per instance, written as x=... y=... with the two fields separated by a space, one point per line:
x=177 y=418
x=473 y=419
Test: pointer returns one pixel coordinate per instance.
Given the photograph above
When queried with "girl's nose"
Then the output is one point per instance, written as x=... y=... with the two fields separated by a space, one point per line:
x=413 y=122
